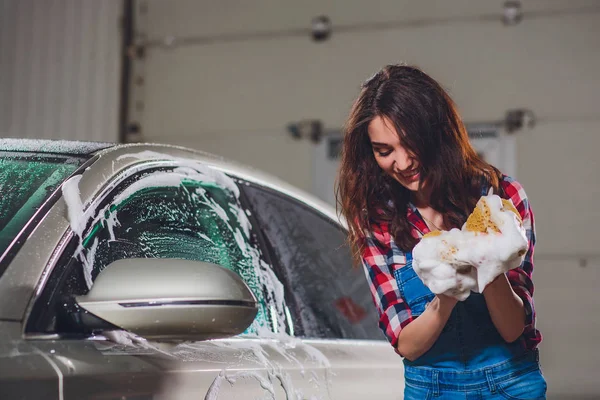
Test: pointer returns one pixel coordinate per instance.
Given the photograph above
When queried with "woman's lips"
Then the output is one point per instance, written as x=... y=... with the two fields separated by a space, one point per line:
x=414 y=176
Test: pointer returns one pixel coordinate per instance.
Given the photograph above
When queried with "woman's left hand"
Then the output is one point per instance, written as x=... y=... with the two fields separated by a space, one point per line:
x=506 y=308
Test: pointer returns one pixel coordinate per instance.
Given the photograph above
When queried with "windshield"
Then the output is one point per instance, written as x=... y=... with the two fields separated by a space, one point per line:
x=26 y=181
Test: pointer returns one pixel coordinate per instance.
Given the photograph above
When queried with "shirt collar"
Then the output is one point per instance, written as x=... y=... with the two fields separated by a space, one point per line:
x=416 y=220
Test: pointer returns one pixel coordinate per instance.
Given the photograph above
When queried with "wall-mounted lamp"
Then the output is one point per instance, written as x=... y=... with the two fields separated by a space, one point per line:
x=513 y=13
x=518 y=118
x=307 y=128
x=320 y=28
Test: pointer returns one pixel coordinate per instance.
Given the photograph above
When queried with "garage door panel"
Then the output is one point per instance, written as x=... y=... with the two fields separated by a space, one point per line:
x=559 y=168
x=235 y=85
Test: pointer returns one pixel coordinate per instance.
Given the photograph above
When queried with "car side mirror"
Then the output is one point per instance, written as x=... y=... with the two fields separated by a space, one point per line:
x=171 y=299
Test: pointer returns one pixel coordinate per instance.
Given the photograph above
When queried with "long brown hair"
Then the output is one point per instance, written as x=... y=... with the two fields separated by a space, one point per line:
x=430 y=128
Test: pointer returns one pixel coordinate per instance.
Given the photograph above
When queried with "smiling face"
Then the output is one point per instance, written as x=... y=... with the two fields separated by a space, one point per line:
x=391 y=156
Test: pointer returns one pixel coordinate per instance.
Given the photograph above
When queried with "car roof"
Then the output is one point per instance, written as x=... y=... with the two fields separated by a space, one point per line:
x=66 y=147
x=115 y=150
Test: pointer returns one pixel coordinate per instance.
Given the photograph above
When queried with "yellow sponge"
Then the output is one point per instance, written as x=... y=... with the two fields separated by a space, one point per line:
x=432 y=234
x=510 y=206
x=480 y=218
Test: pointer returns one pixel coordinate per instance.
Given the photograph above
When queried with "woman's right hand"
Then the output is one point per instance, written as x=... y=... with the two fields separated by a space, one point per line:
x=418 y=336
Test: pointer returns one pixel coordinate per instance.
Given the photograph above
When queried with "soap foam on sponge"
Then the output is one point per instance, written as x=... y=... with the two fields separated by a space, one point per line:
x=491 y=242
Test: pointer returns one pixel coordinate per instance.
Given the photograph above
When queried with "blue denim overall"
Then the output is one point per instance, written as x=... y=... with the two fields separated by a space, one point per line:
x=469 y=360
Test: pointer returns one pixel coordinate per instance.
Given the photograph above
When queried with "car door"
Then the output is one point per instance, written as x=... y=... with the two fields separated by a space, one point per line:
x=181 y=211
x=328 y=297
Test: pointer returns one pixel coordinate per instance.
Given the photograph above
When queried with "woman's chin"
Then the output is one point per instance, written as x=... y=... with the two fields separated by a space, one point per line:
x=413 y=186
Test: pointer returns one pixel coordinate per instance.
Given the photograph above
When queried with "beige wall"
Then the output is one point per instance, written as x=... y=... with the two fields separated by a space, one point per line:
x=60 y=69
x=235 y=99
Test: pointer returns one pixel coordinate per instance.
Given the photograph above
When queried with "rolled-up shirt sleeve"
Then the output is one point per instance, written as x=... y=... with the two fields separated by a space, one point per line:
x=381 y=258
x=521 y=278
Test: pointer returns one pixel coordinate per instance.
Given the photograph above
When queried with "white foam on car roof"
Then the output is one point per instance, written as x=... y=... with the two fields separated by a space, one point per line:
x=52 y=146
x=71 y=195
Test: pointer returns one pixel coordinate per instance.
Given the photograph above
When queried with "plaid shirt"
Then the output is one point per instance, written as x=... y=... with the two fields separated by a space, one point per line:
x=381 y=258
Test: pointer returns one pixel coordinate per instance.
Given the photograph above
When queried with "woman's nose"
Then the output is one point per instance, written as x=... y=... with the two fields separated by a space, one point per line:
x=404 y=163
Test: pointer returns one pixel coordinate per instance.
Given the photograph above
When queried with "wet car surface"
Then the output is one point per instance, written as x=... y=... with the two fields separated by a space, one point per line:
x=157 y=272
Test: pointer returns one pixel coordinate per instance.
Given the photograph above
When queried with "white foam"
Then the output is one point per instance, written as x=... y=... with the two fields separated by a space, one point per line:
x=111 y=223
x=71 y=195
x=457 y=262
x=217 y=176
x=87 y=259
x=215 y=387
x=265 y=383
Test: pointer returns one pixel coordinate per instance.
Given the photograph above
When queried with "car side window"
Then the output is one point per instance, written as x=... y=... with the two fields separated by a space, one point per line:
x=193 y=220
x=328 y=297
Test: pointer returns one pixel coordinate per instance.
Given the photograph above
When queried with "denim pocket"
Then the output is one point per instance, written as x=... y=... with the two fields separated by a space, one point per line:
x=529 y=386
x=412 y=289
x=413 y=392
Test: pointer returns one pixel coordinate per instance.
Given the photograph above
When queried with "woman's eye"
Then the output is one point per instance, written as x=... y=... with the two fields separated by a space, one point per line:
x=384 y=153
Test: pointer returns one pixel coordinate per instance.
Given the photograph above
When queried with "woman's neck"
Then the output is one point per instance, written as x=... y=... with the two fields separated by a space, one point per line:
x=422 y=201
x=421 y=198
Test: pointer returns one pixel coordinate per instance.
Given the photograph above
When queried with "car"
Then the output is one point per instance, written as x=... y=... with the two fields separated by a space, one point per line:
x=148 y=271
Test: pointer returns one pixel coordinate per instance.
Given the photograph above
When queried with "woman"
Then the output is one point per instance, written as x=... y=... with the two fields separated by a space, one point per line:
x=407 y=169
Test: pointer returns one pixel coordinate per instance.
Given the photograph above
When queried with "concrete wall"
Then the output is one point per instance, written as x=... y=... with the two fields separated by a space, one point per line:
x=217 y=89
